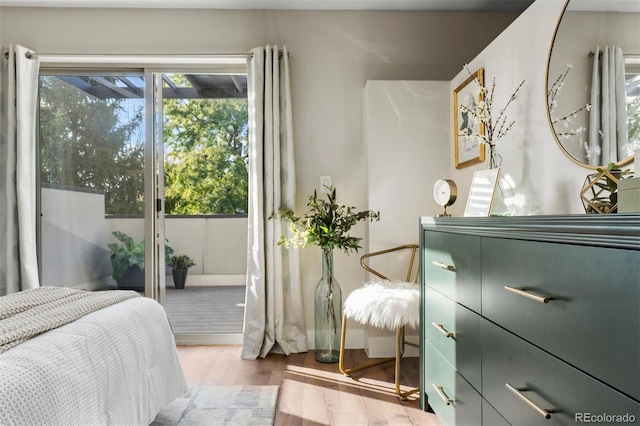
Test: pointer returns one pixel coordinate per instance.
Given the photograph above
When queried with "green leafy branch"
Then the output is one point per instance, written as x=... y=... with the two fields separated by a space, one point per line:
x=326 y=224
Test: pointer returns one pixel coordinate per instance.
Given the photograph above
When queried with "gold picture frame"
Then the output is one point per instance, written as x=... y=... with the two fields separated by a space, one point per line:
x=468 y=150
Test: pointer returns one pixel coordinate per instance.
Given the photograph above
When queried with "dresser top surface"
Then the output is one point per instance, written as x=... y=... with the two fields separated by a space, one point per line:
x=615 y=230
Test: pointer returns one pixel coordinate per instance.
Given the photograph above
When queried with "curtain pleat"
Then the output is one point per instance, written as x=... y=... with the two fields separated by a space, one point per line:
x=608 y=116
x=274 y=316
x=19 y=90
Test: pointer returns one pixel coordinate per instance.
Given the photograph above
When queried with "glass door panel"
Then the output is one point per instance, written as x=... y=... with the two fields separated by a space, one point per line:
x=205 y=122
x=92 y=138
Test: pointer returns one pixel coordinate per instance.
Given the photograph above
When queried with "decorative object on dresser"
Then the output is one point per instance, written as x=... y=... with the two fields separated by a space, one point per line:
x=518 y=326
x=445 y=193
x=327 y=225
x=629 y=195
x=482 y=192
x=600 y=190
x=387 y=304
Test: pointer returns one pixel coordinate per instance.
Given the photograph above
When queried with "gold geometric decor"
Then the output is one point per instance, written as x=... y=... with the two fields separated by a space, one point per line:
x=600 y=190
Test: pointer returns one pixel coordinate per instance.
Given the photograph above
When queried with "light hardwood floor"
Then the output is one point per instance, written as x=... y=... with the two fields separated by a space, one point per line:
x=312 y=393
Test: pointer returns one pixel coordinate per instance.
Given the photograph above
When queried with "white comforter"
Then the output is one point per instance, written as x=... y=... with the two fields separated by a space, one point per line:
x=115 y=366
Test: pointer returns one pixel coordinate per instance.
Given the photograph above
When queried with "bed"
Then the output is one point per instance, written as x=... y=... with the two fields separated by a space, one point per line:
x=115 y=365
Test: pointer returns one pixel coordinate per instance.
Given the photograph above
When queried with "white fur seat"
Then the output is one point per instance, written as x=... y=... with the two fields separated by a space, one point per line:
x=385 y=304
x=388 y=304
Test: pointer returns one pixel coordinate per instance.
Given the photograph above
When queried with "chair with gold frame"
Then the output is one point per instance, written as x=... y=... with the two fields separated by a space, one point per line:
x=384 y=303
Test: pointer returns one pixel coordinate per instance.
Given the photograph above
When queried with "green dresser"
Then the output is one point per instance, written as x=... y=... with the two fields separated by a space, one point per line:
x=531 y=320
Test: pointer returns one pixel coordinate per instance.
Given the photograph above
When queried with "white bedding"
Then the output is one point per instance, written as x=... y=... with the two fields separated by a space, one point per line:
x=115 y=366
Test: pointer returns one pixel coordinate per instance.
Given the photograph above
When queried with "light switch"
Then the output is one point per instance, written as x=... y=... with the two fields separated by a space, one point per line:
x=325 y=183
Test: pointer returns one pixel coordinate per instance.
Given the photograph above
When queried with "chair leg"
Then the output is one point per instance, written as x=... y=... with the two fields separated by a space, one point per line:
x=347 y=371
x=400 y=346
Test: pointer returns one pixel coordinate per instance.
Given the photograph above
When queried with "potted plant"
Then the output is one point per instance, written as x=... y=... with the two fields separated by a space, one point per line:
x=327 y=225
x=180 y=265
x=127 y=261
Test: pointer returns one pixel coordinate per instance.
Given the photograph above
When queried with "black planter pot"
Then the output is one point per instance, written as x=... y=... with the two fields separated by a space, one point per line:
x=179 y=278
x=132 y=279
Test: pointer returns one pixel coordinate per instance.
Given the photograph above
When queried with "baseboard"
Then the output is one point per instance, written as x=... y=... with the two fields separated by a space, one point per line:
x=354 y=340
x=208 y=339
x=213 y=280
x=385 y=346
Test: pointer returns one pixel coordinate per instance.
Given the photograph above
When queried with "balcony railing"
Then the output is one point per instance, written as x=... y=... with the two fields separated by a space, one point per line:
x=75 y=233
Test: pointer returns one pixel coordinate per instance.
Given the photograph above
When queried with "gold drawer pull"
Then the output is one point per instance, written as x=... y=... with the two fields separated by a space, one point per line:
x=442 y=330
x=443 y=265
x=441 y=394
x=518 y=392
x=523 y=292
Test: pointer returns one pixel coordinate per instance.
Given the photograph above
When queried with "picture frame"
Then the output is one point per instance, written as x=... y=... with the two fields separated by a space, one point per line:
x=482 y=193
x=468 y=151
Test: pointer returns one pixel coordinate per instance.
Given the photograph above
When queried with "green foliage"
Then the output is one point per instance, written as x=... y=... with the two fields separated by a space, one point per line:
x=128 y=253
x=633 y=122
x=326 y=224
x=93 y=143
x=181 y=262
x=86 y=143
x=125 y=254
x=206 y=169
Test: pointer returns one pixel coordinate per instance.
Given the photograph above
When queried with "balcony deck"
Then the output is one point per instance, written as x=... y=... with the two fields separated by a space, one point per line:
x=206 y=309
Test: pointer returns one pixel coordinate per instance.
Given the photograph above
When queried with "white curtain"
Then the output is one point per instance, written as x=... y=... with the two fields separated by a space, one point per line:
x=274 y=317
x=18 y=91
x=608 y=117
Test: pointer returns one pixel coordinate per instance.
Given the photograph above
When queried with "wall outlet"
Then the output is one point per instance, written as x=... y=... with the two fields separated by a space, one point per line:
x=325 y=183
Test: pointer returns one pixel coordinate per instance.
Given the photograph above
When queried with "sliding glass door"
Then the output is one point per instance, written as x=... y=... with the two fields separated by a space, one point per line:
x=137 y=167
x=92 y=194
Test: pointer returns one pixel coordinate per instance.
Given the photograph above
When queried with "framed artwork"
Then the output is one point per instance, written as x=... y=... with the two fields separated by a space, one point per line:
x=483 y=188
x=468 y=150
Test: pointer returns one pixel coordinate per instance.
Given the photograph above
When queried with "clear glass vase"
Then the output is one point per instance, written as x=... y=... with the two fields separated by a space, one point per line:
x=328 y=312
x=495 y=159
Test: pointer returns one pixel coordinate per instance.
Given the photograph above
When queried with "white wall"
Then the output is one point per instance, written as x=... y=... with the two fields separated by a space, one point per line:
x=407 y=140
x=333 y=54
x=406 y=144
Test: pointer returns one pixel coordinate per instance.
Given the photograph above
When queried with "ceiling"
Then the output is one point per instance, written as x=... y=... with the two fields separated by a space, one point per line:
x=408 y=5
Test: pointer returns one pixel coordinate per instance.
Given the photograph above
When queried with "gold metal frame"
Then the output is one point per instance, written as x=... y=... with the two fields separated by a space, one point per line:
x=479 y=74
x=412 y=276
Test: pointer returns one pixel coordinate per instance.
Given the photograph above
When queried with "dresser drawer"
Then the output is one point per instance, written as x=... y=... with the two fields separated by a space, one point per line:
x=443 y=383
x=593 y=318
x=490 y=417
x=452 y=266
x=545 y=381
x=456 y=333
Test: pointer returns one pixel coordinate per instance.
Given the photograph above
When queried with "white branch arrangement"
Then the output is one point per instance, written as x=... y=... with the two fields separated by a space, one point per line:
x=482 y=113
x=567 y=119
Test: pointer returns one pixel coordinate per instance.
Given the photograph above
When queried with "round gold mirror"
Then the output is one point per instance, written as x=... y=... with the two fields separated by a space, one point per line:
x=593 y=81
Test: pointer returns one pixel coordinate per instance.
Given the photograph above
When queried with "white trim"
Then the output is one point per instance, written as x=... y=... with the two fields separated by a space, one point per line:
x=208 y=339
x=232 y=63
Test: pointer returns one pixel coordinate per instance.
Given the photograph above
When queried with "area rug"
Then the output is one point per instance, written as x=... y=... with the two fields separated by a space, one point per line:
x=222 y=405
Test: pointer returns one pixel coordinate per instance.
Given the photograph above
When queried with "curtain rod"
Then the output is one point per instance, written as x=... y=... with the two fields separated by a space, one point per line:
x=156 y=58
x=626 y=55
